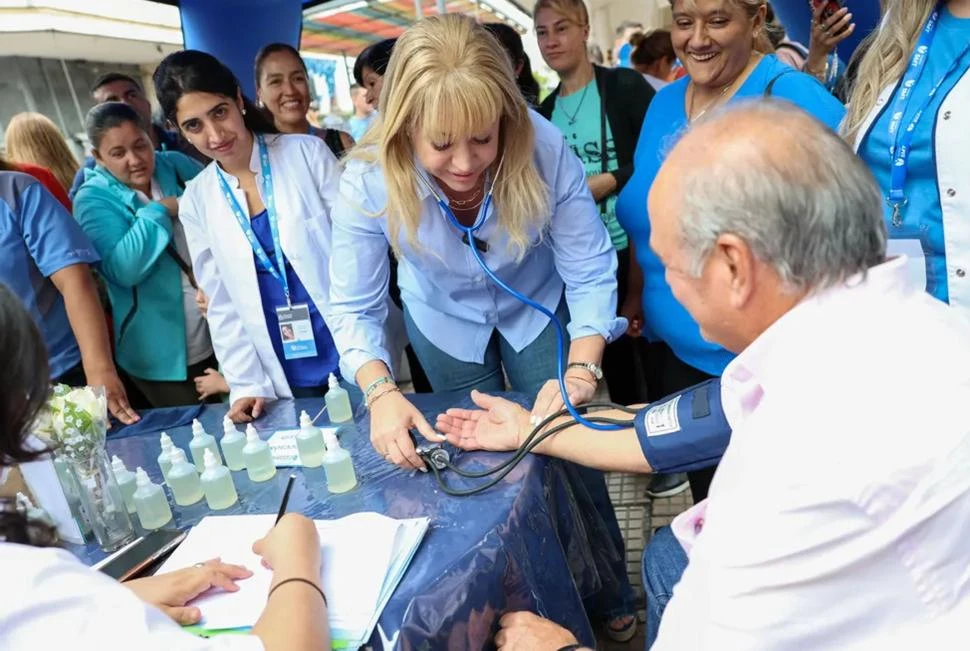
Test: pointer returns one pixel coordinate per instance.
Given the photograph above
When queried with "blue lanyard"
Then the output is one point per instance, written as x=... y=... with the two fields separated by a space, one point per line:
x=243 y=218
x=902 y=141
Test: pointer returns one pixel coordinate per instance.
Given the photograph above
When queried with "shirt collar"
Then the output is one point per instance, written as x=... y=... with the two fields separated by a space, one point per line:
x=752 y=372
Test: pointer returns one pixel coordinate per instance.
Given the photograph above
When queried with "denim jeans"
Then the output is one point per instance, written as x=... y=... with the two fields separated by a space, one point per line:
x=528 y=370
x=664 y=562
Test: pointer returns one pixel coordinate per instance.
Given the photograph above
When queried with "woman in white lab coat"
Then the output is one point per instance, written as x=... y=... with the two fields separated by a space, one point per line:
x=257 y=222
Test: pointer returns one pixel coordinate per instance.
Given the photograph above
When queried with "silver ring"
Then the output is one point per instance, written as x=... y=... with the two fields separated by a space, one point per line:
x=199 y=565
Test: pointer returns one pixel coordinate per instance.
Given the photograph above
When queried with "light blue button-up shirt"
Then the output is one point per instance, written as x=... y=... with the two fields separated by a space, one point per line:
x=449 y=297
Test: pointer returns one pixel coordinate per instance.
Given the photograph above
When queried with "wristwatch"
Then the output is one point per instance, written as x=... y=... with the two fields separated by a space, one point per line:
x=589 y=366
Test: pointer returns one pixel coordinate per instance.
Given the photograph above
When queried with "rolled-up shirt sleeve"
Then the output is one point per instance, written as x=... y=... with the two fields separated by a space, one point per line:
x=584 y=255
x=359 y=276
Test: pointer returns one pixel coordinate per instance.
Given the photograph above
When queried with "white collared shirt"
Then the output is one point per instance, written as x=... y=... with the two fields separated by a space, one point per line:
x=49 y=600
x=839 y=517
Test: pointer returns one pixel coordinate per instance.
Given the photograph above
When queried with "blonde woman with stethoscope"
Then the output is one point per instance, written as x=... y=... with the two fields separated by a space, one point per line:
x=458 y=175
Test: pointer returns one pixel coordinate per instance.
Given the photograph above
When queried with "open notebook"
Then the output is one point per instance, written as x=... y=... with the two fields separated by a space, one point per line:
x=364 y=557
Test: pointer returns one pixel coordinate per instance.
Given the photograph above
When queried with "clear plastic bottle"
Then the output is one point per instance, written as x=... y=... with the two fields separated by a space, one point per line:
x=233 y=442
x=199 y=443
x=338 y=402
x=259 y=459
x=33 y=513
x=309 y=443
x=220 y=492
x=126 y=482
x=338 y=466
x=165 y=459
x=150 y=503
x=183 y=480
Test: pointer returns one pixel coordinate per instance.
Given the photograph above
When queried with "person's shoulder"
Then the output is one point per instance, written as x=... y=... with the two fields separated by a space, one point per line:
x=15 y=185
x=801 y=89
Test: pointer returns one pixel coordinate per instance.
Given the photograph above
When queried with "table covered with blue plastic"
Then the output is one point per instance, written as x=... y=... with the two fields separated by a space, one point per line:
x=528 y=543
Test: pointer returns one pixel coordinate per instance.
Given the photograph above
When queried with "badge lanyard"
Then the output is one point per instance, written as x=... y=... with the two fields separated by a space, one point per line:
x=902 y=141
x=243 y=218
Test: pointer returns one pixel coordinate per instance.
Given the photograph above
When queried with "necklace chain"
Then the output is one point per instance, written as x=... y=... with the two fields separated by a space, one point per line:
x=572 y=118
x=720 y=96
x=461 y=203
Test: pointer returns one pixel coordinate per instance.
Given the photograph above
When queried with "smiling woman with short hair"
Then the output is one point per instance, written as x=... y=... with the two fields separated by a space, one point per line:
x=727 y=55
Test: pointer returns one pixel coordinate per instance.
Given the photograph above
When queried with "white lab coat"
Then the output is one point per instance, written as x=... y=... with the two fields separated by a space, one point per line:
x=305 y=182
x=952 y=142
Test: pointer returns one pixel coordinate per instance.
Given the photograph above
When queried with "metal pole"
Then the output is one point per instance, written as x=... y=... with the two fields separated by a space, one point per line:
x=418 y=11
x=442 y=9
x=50 y=88
x=77 y=104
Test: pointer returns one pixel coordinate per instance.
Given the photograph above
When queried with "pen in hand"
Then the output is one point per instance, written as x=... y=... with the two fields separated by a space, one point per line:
x=286 y=498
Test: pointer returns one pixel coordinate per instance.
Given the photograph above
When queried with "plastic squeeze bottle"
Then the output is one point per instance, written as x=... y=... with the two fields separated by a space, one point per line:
x=259 y=459
x=199 y=443
x=233 y=442
x=165 y=459
x=183 y=480
x=150 y=503
x=338 y=402
x=338 y=466
x=309 y=443
x=220 y=492
x=126 y=482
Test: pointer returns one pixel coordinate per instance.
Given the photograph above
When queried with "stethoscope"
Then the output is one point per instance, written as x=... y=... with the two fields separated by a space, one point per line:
x=477 y=247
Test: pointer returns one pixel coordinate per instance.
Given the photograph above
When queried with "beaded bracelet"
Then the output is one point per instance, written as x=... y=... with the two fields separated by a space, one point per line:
x=300 y=580
x=386 y=379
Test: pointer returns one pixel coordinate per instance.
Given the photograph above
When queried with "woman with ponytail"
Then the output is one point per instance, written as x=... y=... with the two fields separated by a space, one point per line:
x=257 y=222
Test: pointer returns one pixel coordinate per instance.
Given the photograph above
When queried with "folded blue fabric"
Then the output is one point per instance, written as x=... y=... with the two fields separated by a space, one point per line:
x=154 y=421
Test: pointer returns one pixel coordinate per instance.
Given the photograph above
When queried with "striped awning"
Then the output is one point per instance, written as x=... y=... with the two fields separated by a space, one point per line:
x=350 y=27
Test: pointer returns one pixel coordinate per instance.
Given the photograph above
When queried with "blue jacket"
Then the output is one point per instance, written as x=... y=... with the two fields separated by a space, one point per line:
x=144 y=282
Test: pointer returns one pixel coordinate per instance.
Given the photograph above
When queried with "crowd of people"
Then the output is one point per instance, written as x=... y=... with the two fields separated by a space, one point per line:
x=706 y=208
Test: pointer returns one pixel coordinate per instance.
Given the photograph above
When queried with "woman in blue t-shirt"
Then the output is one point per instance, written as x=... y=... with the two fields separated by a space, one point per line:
x=723 y=46
x=927 y=206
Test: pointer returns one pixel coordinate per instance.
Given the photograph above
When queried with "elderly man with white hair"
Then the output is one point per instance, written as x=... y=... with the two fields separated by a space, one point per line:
x=772 y=236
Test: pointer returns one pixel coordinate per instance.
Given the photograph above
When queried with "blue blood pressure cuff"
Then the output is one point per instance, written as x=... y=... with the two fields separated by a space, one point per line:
x=685 y=431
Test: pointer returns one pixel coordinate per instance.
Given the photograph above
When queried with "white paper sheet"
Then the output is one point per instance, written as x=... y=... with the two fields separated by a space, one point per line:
x=364 y=556
x=41 y=478
x=282 y=444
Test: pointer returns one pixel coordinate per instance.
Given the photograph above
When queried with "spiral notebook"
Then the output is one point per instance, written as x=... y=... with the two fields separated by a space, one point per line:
x=364 y=557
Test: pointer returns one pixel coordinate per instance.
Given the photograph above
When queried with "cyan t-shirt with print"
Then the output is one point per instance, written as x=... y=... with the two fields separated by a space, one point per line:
x=579 y=116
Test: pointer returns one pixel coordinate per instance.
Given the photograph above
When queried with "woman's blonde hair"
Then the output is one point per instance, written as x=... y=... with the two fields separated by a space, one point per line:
x=886 y=60
x=574 y=10
x=762 y=42
x=450 y=78
x=33 y=138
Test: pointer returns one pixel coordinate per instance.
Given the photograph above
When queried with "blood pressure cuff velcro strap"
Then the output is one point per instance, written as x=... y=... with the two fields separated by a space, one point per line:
x=685 y=431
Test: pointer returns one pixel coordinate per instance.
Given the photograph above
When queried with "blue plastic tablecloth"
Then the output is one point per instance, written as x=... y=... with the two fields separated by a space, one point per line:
x=528 y=543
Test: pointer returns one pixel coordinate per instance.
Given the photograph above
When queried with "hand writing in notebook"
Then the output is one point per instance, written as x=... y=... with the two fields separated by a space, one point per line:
x=172 y=591
x=291 y=548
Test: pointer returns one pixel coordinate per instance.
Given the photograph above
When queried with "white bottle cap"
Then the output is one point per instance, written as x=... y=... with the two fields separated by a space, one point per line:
x=332 y=381
x=330 y=437
x=251 y=434
x=177 y=456
x=305 y=420
x=24 y=502
x=210 y=460
x=118 y=465
x=141 y=477
x=165 y=440
x=227 y=425
x=197 y=429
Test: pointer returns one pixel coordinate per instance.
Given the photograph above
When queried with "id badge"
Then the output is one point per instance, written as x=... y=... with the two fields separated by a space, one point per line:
x=296 y=331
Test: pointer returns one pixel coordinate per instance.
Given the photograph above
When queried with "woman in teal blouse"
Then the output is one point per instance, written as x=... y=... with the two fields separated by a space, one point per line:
x=128 y=207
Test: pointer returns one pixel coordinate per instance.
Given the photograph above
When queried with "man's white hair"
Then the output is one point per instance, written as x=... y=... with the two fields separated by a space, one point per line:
x=790 y=188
